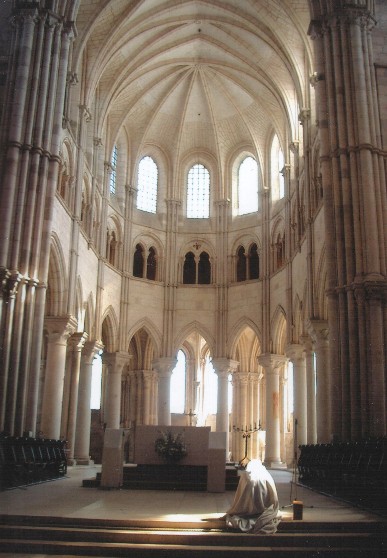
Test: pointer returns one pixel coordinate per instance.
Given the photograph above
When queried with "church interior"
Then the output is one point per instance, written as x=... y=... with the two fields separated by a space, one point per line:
x=193 y=224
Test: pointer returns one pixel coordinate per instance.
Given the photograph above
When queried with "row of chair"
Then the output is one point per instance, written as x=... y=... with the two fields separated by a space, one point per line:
x=28 y=460
x=356 y=470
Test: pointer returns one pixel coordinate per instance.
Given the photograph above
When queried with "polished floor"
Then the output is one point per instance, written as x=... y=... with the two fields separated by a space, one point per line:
x=66 y=497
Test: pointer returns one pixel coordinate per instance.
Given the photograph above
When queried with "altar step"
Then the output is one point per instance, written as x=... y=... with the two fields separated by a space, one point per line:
x=162 y=539
x=167 y=477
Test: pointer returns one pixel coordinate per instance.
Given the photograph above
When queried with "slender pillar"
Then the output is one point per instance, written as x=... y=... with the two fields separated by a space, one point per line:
x=223 y=368
x=295 y=352
x=115 y=363
x=164 y=367
x=319 y=332
x=241 y=415
x=75 y=345
x=83 y=425
x=310 y=389
x=10 y=286
x=272 y=365
x=59 y=330
x=148 y=378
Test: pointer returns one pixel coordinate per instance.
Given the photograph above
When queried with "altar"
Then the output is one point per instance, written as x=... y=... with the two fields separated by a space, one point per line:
x=204 y=449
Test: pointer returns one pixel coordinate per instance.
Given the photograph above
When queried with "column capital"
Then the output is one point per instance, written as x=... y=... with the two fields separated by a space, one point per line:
x=60 y=327
x=318 y=330
x=295 y=351
x=90 y=349
x=77 y=340
x=164 y=365
x=149 y=375
x=116 y=361
x=307 y=343
x=272 y=362
x=241 y=376
x=224 y=366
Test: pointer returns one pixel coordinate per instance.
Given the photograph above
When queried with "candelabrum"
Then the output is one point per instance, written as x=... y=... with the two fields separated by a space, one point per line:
x=246 y=434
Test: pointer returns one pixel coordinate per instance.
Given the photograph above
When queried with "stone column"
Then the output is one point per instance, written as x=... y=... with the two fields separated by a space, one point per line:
x=164 y=367
x=319 y=331
x=148 y=377
x=9 y=290
x=223 y=367
x=59 y=330
x=115 y=362
x=272 y=365
x=82 y=438
x=241 y=414
x=295 y=352
x=310 y=389
x=75 y=346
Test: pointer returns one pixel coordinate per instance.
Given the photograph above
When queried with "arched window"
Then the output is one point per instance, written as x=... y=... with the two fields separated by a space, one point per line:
x=253 y=262
x=147 y=185
x=198 y=192
x=189 y=269
x=204 y=269
x=96 y=382
x=138 y=261
x=113 y=174
x=197 y=270
x=210 y=400
x=177 y=397
x=280 y=248
x=151 y=264
x=241 y=265
x=248 y=186
x=111 y=246
x=277 y=170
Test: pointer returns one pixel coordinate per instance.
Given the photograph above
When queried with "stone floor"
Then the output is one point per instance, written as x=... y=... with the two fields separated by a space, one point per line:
x=66 y=497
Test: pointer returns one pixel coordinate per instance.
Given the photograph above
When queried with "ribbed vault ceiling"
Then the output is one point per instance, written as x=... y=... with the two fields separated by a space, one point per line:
x=206 y=76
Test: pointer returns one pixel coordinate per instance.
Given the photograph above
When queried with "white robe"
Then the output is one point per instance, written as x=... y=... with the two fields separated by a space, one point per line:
x=255 y=506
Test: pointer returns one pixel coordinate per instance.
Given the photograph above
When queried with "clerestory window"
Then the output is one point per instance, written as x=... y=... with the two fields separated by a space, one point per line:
x=113 y=174
x=198 y=192
x=147 y=185
x=248 y=186
x=277 y=170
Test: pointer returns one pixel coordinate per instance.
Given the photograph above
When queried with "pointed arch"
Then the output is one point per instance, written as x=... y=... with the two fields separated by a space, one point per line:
x=79 y=307
x=151 y=330
x=297 y=318
x=110 y=330
x=57 y=291
x=194 y=327
x=237 y=330
x=278 y=331
x=89 y=326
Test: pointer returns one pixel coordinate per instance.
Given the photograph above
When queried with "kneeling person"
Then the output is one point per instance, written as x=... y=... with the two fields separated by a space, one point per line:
x=255 y=506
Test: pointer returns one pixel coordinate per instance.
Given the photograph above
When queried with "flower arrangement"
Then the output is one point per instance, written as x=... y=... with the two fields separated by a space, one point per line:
x=171 y=446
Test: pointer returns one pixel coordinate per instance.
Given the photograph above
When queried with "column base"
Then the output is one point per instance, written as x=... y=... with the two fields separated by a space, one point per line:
x=275 y=465
x=84 y=461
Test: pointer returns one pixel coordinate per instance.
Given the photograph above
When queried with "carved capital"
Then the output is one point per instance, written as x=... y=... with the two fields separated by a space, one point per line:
x=164 y=366
x=272 y=362
x=224 y=366
x=60 y=328
x=116 y=361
